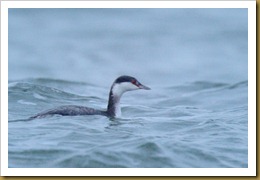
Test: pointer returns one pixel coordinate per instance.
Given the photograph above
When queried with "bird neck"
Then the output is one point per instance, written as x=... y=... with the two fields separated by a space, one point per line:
x=113 y=107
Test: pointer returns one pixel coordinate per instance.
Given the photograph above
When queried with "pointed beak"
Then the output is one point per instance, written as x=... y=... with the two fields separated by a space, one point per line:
x=143 y=87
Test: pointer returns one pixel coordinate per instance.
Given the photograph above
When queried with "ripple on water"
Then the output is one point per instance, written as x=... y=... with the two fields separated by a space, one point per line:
x=176 y=130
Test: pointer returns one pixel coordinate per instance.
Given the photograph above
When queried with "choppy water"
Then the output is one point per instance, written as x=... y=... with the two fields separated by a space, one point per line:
x=194 y=60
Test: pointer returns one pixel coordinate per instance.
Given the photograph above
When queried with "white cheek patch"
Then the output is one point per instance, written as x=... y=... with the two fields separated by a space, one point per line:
x=119 y=89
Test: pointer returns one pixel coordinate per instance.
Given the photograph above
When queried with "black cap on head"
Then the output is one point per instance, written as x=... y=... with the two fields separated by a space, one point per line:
x=124 y=79
x=132 y=80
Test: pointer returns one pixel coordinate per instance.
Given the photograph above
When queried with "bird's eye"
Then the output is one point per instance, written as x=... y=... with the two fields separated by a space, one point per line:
x=135 y=82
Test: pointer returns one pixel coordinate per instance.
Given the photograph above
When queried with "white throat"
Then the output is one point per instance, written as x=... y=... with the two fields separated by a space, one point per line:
x=118 y=89
x=118 y=109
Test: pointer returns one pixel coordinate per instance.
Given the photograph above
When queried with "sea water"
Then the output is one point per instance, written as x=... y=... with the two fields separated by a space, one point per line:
x=194 y=60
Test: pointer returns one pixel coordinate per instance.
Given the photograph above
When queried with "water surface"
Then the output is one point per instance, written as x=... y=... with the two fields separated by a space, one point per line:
x=194 y=60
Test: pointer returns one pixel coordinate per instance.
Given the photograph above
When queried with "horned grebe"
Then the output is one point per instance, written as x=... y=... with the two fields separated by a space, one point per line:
x=118 y=88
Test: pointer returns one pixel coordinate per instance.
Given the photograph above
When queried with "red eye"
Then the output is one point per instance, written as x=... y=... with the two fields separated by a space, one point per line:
x=135 y=82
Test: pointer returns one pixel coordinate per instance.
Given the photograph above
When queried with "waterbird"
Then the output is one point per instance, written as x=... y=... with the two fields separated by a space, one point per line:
x=121 y=85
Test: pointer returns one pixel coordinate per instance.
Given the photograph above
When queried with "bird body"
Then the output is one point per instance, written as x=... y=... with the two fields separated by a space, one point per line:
x=121 y=85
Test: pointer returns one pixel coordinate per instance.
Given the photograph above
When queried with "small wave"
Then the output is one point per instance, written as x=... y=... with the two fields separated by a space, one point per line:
x=197 y=86
x=239 y=84
x=12 y=84
x=48 y=81
x=20 y=120
x=21 y=101
x=39 y=91
x=150 y=147
x=203 y=85
x=38 y=96
x=207 y=85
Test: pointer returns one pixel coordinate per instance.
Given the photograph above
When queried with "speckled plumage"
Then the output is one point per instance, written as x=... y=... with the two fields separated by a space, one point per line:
x=70 y=110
